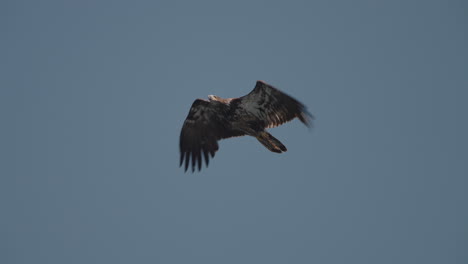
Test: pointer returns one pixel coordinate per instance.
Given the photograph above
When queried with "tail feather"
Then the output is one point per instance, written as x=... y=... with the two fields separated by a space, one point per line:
x=270 y=142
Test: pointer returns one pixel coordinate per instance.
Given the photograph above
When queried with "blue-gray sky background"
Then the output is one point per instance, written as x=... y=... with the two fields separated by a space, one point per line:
x=94 y=93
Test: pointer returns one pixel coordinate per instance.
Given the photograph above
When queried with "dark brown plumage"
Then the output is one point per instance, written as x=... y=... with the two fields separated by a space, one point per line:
x=216 y=119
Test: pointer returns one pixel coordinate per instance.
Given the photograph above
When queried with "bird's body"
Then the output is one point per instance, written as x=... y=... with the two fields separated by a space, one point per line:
x=219 y=118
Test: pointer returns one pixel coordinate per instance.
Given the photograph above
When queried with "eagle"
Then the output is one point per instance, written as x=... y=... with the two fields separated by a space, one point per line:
x=209 y=121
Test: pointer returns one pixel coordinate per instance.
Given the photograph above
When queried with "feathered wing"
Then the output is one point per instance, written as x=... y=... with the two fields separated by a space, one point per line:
x=273 y=106
x=203 y=127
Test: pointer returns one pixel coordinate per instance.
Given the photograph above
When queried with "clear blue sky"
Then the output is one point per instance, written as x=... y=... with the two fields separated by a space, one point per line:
x=94 y=93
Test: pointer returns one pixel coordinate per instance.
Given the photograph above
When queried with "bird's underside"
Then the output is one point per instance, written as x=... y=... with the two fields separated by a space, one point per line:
x=210 y=121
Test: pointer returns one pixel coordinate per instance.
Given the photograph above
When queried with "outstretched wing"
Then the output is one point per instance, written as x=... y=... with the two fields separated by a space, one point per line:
x=203 y=127
x=273 y=106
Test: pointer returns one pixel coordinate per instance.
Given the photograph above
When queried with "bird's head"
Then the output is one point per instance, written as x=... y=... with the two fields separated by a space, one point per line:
x=213 y=97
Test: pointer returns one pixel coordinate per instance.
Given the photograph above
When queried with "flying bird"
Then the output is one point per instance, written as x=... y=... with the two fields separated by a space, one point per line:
x=218 y=118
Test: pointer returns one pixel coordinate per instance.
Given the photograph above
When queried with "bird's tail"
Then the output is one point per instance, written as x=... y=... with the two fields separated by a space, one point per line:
x=270 y=142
